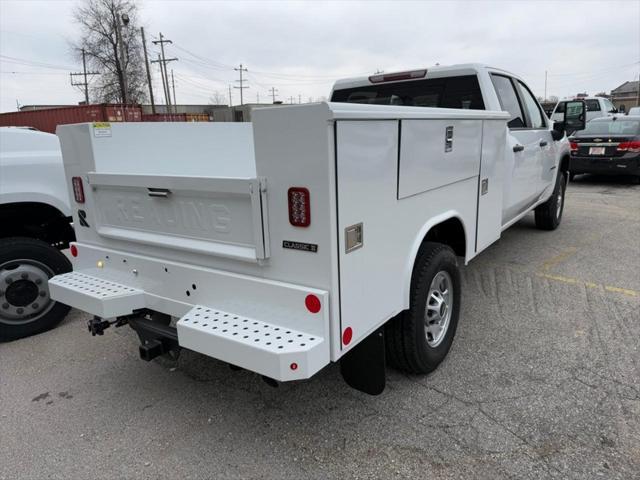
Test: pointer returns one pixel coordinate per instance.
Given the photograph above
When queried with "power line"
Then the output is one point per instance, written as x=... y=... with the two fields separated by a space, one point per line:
x=33 y=63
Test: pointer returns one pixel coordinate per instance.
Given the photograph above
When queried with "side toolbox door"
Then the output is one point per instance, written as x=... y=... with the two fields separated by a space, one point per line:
x=366 y=174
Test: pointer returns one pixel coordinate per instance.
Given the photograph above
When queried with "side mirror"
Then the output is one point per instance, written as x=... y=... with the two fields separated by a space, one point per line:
x=558 y=131
x=575 y=116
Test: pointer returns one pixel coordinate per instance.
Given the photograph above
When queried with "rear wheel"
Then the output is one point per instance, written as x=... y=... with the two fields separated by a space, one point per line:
x=26 y=308
x=549 y=214
x=420 y=338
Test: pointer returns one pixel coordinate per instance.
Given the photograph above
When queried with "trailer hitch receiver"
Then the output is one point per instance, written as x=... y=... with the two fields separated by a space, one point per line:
x=156 y=338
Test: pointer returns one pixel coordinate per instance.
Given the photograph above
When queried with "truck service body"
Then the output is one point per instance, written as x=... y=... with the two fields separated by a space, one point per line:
x=287 y=243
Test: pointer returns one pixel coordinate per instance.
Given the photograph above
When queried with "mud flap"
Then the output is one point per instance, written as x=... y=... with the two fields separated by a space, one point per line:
x=363 y=367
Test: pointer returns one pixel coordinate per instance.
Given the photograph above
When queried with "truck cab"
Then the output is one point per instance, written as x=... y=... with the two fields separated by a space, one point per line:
x=532 y=156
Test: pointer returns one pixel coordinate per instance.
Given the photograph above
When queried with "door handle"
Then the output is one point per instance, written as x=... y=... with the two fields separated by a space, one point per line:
x=518 y=148
x=543 y=143
x=158 y=192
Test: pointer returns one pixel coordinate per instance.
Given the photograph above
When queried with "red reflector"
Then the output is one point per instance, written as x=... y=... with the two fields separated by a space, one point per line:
x=74 y=250
x=293 y=366
x=574 y=146
x=629 y=147
x=347 y=335
x=312 y=303
x=78 y=190
x=299 y=207
x=393 y=77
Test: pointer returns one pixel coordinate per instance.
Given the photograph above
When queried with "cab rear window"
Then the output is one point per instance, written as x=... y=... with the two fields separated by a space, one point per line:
x=449 y=92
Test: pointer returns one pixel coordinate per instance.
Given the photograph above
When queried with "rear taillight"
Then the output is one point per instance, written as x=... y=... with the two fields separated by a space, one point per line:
x=629 y=147
x=78 y=190
x=299 y=207
x=574 y=147
x=393 y=77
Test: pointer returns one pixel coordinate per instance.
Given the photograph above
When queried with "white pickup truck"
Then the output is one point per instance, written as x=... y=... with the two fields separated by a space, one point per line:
x=317 y=233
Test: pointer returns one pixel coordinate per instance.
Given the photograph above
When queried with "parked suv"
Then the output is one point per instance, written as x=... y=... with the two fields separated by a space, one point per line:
x=35 y=218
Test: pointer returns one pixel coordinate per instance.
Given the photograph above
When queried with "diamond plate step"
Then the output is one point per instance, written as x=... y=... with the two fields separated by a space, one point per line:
x=264 y=347
x=95 y=295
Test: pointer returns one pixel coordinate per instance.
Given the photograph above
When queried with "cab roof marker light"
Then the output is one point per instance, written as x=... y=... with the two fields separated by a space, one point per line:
x=392 y=77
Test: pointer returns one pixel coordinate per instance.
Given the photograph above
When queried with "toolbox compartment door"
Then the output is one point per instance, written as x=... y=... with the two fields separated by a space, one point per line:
x=208 y=215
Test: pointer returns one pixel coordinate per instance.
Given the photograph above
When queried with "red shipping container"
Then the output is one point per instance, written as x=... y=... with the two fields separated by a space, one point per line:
x=48 y=120
x=164 y=117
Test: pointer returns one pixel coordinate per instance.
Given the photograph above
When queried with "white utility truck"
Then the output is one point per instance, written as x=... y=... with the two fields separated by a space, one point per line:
x=317 y=233
x=35 y=226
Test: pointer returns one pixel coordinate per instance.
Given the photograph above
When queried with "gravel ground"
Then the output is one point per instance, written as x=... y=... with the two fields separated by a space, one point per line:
x=543 y=381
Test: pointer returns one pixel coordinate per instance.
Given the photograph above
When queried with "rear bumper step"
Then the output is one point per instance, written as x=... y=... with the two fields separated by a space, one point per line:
x=95 y=295
x=272 y=350
x=266 y=347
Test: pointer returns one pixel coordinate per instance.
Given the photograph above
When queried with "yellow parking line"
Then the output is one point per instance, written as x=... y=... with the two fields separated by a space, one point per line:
x=626 y=291
x=575 y=281
x=553 y=261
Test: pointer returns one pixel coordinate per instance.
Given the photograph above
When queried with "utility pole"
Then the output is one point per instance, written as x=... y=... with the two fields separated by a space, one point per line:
x=230 y=101
x=257 y=97
x=545 y=85
x=274 y=93
x=173 y=84
x=164 y=82
x=299 y=98
x=241 y=81
x=84 y=74
x=291 y=100
x=163 y=66
x=146 y=64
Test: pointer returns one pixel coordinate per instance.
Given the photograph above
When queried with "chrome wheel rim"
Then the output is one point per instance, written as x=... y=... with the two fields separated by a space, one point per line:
x=439 y=308
x=24 y=291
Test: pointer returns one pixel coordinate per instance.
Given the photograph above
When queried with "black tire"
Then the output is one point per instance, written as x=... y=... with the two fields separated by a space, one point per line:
x=549 y=214
x=25 y=307
x=407 y=341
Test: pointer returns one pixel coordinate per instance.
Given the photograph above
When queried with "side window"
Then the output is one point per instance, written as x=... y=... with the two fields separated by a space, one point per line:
x=609 y=105
x=508 y=100
x=531 y=104
x=593 y=106
x=560 y=107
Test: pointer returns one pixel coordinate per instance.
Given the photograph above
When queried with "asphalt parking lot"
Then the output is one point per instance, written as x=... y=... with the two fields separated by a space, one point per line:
x=543 y=381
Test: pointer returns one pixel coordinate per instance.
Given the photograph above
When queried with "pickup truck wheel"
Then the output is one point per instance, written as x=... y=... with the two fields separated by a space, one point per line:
x=419 y=339
x=26 y=265
x=549 y=214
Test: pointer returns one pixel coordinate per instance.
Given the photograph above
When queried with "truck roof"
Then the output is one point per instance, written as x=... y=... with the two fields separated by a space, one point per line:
x=432 y=72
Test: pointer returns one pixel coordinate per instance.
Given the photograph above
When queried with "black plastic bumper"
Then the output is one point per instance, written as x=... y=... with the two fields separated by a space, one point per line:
x=626 y=165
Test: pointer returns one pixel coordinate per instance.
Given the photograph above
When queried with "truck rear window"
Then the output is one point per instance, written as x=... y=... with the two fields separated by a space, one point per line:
x=448 y=92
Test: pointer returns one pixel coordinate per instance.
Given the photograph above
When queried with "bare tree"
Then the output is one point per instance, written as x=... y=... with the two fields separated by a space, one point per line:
x=217 y=98
x=100 y=37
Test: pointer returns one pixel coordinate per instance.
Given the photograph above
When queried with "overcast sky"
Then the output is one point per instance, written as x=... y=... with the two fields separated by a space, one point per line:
x=300 y=47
